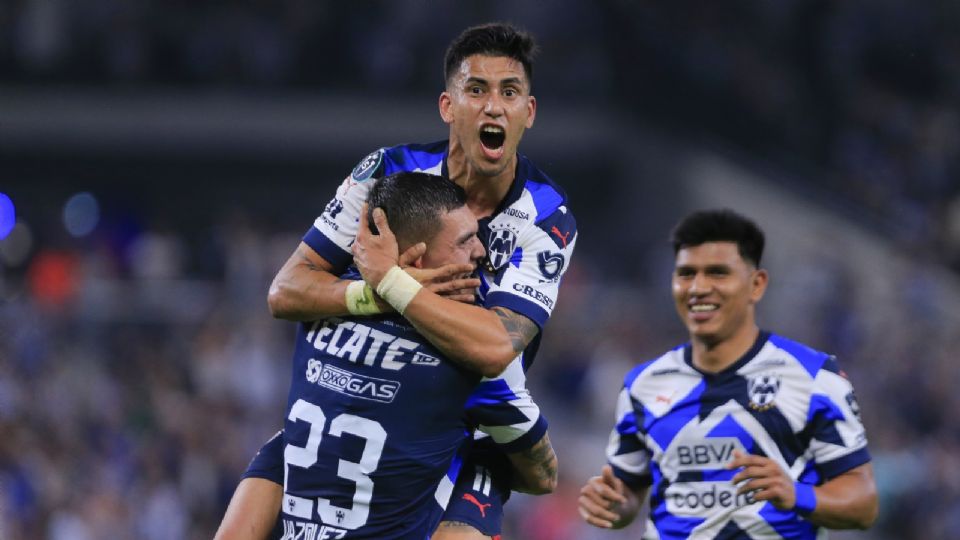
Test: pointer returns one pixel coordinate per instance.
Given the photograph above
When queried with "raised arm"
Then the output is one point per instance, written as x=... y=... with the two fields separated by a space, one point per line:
x=483 y=340
x=305 y=288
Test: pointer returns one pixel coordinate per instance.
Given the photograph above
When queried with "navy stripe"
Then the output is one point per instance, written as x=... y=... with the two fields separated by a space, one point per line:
x=528 y=439
x=527 y=308
x=326 y=248
x=832 y=469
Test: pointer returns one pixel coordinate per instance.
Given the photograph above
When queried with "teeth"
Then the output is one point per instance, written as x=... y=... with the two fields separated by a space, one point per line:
x=492 y=129
x=703 y=307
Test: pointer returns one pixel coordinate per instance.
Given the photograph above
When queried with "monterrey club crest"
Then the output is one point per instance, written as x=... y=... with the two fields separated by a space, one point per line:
x=763 y=390
x=500 y=249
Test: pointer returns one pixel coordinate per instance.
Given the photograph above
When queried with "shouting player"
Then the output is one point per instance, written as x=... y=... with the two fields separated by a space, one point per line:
x=524 y=223
x=740 y=433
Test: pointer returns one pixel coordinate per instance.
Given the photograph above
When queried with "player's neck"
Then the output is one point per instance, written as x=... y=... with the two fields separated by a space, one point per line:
x=714 y=357
x=484 y=192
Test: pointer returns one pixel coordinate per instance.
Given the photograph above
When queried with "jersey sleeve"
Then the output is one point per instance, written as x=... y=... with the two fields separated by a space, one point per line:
x=626 y=451
x=839 y=440
x=334 y=231
x=528 y=284
x=268 y=463
x=502 y=408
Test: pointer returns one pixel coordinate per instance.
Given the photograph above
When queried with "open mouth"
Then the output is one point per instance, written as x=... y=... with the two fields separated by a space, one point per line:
x=492 y=139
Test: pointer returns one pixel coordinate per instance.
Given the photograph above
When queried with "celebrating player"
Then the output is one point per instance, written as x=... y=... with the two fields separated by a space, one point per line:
x=524 y=223
x=376 y=414
x=740 y=433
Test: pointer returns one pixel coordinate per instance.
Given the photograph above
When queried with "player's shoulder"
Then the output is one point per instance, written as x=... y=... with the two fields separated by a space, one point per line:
x=537 y=198
x=668 y=363
x=427 y=157
x=812 y=361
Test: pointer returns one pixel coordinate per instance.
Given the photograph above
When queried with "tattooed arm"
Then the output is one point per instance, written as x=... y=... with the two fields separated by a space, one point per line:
x=536 y=468
x=482 y=340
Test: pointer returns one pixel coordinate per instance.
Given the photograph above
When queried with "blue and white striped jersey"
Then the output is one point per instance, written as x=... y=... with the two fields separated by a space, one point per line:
x=529 y=240
x=677 y=428
x=375 y=420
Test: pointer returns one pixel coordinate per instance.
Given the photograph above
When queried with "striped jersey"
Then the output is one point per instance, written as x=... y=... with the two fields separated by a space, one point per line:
x=376 y=418
x=529 y=239
x=677 y=428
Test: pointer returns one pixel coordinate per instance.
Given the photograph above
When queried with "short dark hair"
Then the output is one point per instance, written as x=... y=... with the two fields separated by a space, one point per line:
x=722 y=225
x=491 y=39
x=414 y=203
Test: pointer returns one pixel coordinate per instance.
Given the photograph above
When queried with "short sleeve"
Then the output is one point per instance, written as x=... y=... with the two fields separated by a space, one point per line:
x=839 y=440
x=502 y=408
x=626 y=451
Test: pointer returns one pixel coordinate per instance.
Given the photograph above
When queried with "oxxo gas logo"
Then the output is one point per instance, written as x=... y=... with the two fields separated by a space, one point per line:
x=351 y=384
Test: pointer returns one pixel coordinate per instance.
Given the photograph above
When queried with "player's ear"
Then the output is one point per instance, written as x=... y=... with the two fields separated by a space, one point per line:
x=446 y=107
x=531 y=111
x=759 y=284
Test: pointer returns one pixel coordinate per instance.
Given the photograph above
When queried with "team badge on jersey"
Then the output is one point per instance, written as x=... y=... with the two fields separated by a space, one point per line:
x=502 y=243
x=367 y=166
x=763 y=390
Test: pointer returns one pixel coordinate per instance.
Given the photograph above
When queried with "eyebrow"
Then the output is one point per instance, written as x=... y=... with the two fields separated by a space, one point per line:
x=510 y=80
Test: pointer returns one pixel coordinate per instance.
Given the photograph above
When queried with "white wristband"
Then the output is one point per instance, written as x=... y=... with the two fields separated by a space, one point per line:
x=398 y=288
x=360 y=299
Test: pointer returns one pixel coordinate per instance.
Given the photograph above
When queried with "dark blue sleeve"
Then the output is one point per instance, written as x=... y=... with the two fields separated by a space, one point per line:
x=268 y=463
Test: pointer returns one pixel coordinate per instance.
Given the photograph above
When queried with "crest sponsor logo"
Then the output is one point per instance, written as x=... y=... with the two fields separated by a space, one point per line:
x=551 y=264
x=763 y=390
x=502 y=244
x=367 y=166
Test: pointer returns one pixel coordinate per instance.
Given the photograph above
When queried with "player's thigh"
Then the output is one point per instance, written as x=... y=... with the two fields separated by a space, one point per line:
x=253 y=510
x=453 y=530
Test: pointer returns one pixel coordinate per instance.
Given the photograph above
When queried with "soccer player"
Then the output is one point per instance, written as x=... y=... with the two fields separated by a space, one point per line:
x=524 y=223
x=740 y=433
x=376 y=414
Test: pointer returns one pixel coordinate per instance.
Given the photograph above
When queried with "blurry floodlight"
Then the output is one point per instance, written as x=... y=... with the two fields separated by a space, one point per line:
x=81 y=214
x=8 y=216
x=15 y=248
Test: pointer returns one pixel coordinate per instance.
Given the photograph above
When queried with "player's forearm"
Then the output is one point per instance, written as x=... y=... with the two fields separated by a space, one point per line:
x=536 y=468
x=470 y=335
x=304 y=294
x=306 y=289
x=848 y=501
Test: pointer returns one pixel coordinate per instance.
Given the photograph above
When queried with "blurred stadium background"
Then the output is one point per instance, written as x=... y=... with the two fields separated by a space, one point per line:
x=160 y=160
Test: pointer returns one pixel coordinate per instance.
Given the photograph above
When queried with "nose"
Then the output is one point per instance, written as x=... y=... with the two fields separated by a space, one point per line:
x=477 y=253
x=699 y=284
x=494 y=105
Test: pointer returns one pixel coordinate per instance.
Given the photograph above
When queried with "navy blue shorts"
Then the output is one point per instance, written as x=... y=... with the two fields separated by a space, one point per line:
x=482 y=488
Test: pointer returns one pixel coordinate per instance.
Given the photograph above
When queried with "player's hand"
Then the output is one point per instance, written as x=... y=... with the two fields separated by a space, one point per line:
x=602 y=500
x=764 y=478
x=375 y=254
x=451 y=281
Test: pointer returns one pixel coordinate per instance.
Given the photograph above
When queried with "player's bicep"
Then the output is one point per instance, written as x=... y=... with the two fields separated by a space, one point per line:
x=520 y=329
